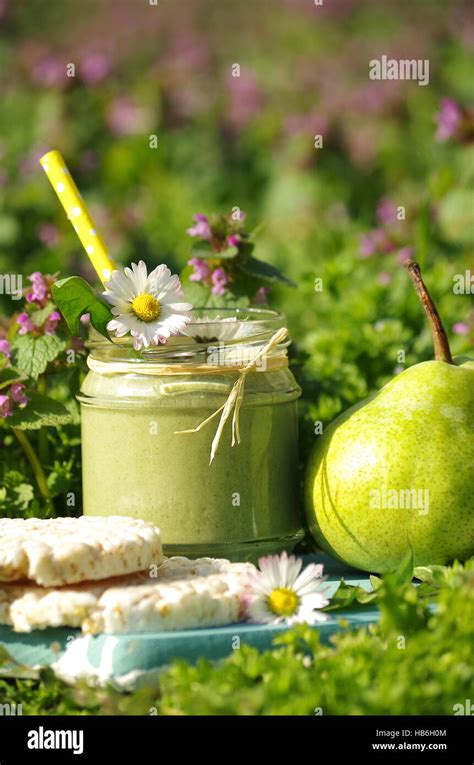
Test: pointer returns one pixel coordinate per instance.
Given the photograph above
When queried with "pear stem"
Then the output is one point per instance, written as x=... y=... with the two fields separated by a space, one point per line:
x=440 y=338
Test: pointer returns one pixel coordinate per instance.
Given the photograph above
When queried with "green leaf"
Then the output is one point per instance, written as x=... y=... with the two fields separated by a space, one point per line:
x=264 y=271
x=200 y=296
x=227 y=254
x=10 y=376
x=348 y=595
x=59 y=480
x=33 y=354
x=427 y=590
x=375 y=581
x=39 y=317
x=202 y=249
x=75 y=297
x=246 y=247
x=230 y=299
x=24 y=494
x=41 y=411
x=258 y=229
x=429 y=573
x=196 y=293
x=15 y=495
x=344 y=596
x=404 y=573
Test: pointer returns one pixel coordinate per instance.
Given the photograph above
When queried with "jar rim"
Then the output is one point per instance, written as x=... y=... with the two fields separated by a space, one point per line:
x=253 y=326
x=260 y=314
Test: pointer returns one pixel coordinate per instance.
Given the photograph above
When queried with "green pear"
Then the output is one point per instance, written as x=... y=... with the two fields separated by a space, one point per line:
x=397 y=469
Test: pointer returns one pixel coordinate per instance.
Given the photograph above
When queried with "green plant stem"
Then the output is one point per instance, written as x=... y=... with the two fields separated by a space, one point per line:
x=440 y=338
x=35 y=465
x=43 y=446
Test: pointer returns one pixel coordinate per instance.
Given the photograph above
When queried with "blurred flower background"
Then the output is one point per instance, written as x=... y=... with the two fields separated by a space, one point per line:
x=168 y=111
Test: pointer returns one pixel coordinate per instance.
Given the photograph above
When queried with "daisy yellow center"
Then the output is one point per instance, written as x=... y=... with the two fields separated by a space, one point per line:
x=146 y=307
x=283 y=601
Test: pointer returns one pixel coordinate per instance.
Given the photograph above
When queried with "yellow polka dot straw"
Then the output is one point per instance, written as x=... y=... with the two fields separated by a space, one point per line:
x=55 y=168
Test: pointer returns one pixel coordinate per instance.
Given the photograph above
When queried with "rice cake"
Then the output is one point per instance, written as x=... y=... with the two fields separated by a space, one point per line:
x=59 y=551
x=184 y=594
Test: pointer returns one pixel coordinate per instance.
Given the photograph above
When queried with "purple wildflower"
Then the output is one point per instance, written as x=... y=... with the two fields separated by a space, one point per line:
x=48 y=234
x=460 y=328
x=366 y=246
x=384 y=278
x=404 y=254
x=5 y=347
x=448 y=119
x=26 y=325
x=219 y=280
x=29 y=163
x=52 y=322
x=39 y=293
x=201 y=228
x=5 y=406
x=50 y=72
x=233 y=240
x=374 y=241
x=386 y=211
x=95 y=68
x=260 y=297
x=17 y=393
x=310 y=124
x=125 y=117
x=245 y=99
x=202 y=271
x=39 y=290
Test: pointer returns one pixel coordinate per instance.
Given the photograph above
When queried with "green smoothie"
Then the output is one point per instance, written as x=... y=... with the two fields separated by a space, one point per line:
x=242 y=505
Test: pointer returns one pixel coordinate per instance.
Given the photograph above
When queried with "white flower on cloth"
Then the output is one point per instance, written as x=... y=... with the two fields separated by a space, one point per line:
x=281 y=592
x=148 y=306
x=208 y=330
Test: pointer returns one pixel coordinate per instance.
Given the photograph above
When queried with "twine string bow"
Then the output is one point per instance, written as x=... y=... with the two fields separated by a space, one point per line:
x=235 y=397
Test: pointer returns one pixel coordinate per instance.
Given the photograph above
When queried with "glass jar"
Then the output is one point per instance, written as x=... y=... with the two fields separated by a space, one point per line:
x=137 y=462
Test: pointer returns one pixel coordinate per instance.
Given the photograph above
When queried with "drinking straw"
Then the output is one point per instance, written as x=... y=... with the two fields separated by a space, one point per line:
x=60 y=178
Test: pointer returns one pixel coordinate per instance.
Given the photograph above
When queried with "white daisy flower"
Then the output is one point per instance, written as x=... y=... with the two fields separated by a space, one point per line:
x=208 y=330
x=148 y=306
x=281 y=592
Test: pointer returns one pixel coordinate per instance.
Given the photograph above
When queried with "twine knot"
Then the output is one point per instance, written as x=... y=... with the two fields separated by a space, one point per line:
x=235 y=397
